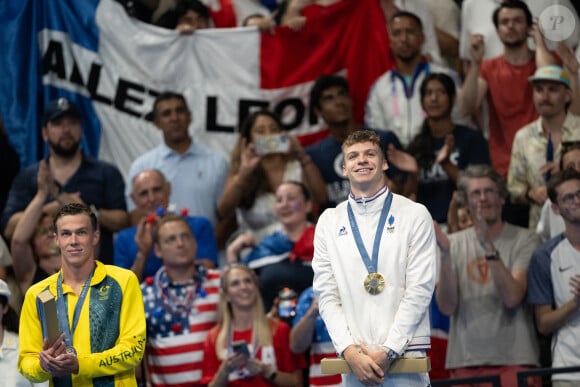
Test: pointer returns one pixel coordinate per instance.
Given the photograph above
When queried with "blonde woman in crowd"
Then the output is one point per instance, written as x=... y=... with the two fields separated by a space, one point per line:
x=247 y=348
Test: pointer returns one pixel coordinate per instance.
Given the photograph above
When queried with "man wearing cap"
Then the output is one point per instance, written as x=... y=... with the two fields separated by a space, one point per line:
x=75 y=177
x=537 y=146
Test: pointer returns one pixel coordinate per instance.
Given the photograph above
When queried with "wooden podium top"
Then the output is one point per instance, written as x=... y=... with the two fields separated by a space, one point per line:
x=402 y=365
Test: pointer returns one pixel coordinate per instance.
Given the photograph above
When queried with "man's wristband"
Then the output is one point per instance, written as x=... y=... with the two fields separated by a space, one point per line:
x=493 y=256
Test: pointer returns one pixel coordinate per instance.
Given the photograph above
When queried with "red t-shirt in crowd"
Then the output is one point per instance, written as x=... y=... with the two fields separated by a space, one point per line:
x=511 y=106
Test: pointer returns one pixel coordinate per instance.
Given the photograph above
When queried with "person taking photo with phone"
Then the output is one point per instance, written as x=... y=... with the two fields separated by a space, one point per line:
x=262 y=159
x=268 y=360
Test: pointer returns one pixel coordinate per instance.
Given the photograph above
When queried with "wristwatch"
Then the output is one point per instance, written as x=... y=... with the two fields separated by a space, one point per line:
x=391 y=355
x=493 y=256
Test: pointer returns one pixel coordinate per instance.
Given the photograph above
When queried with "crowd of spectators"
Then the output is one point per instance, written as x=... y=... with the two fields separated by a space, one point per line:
x=480 y=122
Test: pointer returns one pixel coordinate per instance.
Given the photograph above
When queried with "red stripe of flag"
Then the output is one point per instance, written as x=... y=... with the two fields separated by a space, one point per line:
x=326 y=380
x=350 y=34
x=177 y=349
x=185 y=367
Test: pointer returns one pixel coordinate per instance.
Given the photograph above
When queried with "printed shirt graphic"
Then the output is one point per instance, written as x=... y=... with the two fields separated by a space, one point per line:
x=480 y=307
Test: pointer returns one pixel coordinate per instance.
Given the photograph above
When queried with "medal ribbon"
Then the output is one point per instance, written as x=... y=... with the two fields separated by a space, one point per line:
x=372 y=266
x=63 y=310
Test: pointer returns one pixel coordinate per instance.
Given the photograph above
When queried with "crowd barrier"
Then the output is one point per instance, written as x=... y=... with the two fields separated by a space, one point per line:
x=494 y=380
x=523 y=375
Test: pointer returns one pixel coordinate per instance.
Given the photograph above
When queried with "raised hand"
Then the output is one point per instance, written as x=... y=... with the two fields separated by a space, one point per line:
x=477 y=45
x=144 y=236
x=569 y=60
x=446 y=149
x=249 y=159
x=44 y=179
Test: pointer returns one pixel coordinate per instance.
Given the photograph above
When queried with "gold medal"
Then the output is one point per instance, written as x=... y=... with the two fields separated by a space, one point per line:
x=374 y=283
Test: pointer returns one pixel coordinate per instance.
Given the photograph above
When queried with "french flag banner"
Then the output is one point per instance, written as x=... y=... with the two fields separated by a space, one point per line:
x=113 y=67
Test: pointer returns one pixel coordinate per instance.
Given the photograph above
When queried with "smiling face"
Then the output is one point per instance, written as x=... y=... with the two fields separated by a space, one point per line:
x=77 y=239
x=364 y=166
x=291 y=206
x=150 y=190
x=568 y=203
x=240 y=288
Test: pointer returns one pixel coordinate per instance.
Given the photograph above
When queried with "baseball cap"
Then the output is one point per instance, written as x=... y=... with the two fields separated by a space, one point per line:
x=58 y=108
x=551 y=73
x=4 y=290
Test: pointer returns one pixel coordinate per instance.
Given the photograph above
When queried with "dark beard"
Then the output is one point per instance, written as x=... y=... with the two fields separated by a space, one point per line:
x=409 y=58
x=65 y=152
x=516 y=44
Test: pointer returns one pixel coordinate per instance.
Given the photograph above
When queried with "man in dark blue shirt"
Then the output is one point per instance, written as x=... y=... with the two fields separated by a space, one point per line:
x=330 y=99
x=75 y=177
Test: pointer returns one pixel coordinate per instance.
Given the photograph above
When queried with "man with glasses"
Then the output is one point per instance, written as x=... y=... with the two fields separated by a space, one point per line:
x=554 y=279
x=482 y=285
x=551 y=223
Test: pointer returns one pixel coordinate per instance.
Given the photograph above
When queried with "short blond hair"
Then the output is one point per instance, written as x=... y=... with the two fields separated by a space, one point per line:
x=360 y=136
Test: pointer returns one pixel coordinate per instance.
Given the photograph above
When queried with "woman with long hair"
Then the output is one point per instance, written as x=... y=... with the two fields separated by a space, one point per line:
x=442 y=148
x=247 y=348
x=249 y=189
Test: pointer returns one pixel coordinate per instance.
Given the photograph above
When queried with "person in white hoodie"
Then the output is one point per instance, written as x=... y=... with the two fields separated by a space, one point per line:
x=375 y=309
